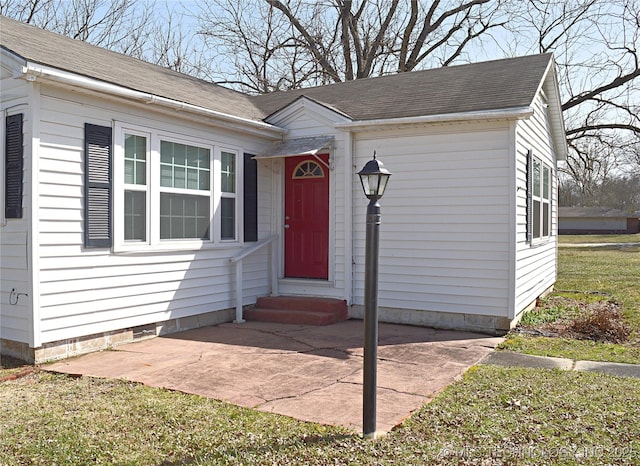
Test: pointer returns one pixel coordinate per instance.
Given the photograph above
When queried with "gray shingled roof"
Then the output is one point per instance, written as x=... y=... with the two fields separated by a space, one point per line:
x=50 y=49
x=492 y=85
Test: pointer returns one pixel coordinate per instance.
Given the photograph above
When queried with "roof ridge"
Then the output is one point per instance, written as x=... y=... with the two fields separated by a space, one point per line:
x=392 y=75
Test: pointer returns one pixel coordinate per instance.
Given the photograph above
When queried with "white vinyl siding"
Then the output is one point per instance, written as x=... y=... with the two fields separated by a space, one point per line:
x=445 y=218
x=82 y=291
x=535 y=263
x=16 y=316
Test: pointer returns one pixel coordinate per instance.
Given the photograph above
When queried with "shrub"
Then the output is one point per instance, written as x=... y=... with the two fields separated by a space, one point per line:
x=603 y=323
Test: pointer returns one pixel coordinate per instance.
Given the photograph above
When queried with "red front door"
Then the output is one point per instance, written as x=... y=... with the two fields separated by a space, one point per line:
x=306 y=218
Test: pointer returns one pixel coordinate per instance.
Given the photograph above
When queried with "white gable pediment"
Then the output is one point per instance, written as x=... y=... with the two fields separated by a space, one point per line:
x=305 y=108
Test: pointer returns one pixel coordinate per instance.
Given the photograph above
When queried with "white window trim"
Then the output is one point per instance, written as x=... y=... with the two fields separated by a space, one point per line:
x=219 y=194
x=542 y=237
x=118 y=195
x=153 y=242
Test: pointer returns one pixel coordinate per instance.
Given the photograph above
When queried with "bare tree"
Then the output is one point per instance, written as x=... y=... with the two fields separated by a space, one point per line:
x=633 y=158
x=112 y=24
x=132 y=27
x=172 y=45
x=277 y=44
x=596 y=44
x=589 y=167
x=255 y=49
x=618 y=192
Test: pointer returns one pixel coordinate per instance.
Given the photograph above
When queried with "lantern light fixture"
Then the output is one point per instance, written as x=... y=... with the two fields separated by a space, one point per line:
x=374 y=177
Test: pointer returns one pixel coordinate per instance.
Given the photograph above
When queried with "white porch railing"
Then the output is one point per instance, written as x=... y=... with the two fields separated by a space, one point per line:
x=237 y=260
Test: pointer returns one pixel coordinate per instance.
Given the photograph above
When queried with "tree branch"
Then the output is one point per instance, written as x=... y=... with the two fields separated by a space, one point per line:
x=406 y=36
x=311 y=43
x=587 y=95
x=596 y=127
x=429 y=27
x=375 y=45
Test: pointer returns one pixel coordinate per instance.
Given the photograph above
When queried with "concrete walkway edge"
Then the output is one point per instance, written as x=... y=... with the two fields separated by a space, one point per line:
x=510 y=359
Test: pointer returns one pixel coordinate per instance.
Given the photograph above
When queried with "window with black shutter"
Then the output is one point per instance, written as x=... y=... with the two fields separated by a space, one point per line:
x=14 y=160
x=529 y=196
x=539 y=182
x=250 y=198
x=97 y=186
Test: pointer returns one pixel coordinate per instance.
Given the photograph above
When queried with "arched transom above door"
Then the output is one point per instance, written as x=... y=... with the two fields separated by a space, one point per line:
x=308 y=169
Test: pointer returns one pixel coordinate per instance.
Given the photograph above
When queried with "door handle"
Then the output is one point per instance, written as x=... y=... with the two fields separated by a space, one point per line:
x=286 y=226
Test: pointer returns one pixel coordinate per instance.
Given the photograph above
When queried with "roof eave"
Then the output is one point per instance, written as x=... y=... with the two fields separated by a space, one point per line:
x=557 y=121
x=517 y=113
x=33 y=71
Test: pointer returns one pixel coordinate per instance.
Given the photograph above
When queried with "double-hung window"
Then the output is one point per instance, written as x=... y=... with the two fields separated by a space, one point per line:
x=173 y=190
x=228 y=196
x=136 y=155
x=541 y=200
x=185 y=191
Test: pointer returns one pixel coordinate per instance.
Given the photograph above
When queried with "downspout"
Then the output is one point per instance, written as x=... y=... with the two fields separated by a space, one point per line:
x=348 y=217
x=513 y=217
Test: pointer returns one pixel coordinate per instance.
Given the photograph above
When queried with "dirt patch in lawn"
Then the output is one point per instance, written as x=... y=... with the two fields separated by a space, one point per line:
x=12 y=368
x=582 y=319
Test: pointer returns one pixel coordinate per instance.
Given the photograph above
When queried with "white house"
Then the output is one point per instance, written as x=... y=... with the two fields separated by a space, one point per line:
x=141 y=200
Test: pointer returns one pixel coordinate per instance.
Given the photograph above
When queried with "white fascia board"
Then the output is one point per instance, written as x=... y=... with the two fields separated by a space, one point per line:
x=550 y=79
x=11 y=61
x=518 y=113
x=32 y=71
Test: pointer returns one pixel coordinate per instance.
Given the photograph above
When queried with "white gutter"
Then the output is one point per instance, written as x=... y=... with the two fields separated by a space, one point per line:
x=33 y=70
x=517 y=113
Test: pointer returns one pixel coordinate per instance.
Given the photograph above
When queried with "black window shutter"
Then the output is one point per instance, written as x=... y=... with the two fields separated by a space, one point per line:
x=250 y=198
x=97 y=186
x=14 y=161
x=529 y=196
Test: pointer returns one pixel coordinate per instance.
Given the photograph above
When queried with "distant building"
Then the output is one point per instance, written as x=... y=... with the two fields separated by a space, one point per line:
x=596 y=220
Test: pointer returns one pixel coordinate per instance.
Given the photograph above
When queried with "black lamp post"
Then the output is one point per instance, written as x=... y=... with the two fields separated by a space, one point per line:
x=374 y=179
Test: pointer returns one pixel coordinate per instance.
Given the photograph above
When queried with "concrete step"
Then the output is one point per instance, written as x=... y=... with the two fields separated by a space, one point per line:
x=298 y=310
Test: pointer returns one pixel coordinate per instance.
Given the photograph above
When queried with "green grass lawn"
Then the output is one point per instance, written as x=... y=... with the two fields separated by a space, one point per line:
x=573 y=239
x=612 y=271
x=493 y=415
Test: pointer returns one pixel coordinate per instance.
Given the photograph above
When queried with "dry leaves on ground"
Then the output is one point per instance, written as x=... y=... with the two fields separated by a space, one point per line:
x=565 y=317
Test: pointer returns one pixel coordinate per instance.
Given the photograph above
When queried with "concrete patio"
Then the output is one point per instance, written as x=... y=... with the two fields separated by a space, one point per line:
x=312 y=373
